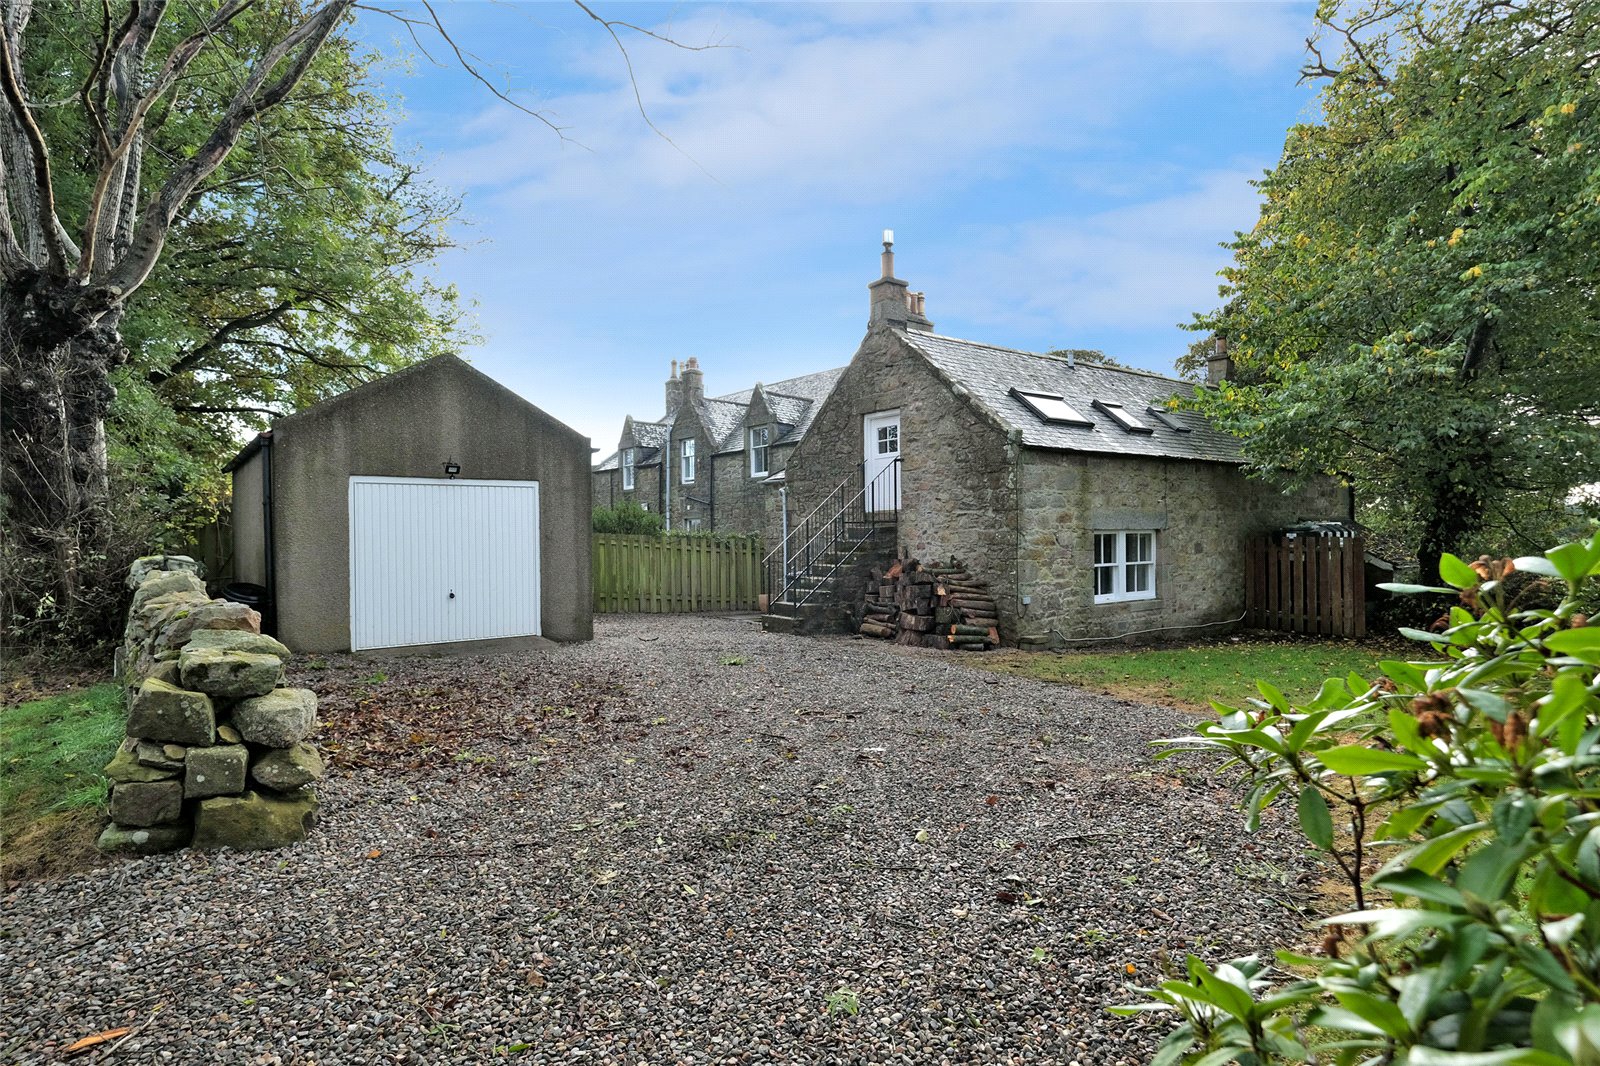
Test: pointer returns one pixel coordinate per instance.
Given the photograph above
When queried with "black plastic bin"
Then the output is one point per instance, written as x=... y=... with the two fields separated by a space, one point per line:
x=257 y=598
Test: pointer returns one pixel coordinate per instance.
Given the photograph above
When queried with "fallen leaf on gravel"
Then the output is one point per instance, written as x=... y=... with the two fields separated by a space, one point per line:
x=922 y=836
x=1007 y=896
x=374 y=853
x=689 y=890
x=605 y=877
x=93 y=1041
x=991 y=800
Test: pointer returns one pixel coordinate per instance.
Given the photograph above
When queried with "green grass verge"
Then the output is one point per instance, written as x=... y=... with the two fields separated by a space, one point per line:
x=51 y=753
x=1190 y=677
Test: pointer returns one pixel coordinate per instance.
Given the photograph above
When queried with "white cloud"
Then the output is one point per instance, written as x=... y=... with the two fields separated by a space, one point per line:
x=1146 y=265
x=842 y=108
x=1015 y=148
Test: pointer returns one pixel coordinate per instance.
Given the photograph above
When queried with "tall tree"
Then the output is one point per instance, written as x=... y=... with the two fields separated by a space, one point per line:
x=198 y=183
x=66 y=277
x=1416 y=308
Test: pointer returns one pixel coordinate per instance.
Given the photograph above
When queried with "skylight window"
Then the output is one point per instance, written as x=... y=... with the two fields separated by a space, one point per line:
x=1123 y=416
x=1170 y=420
x=1051 y=408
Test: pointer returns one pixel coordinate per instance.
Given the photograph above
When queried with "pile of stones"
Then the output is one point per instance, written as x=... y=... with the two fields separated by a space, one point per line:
x=216 y=754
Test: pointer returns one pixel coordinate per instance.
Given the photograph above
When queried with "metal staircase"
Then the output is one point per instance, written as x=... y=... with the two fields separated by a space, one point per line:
x=858 y=517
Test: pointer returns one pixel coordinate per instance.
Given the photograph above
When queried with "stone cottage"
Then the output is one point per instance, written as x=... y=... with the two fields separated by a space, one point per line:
x=1090 y=507
x=714 y=463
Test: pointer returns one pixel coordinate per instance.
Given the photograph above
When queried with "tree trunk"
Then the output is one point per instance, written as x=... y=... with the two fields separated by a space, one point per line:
x=55 y=392
x=1453 y=515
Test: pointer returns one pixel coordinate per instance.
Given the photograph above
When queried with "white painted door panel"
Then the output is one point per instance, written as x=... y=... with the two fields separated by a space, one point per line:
x=435 y=561
x=880 y=441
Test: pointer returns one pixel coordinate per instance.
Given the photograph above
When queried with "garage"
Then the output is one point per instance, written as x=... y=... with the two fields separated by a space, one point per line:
x=430 y=511
x=438 y=561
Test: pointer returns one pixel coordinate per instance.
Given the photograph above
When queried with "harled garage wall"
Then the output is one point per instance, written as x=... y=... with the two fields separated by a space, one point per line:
x=408 y=425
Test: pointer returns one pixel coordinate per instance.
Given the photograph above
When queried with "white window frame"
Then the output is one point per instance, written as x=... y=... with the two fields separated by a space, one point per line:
x=686 y=461
x=761 y=450
x=1120 y=566
x=627 y=469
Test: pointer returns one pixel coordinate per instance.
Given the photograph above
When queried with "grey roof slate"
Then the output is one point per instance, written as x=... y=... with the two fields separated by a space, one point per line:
x=789 y=410
x=989 y=373
x=724 y=423
x=610 y=462
x=652 y=434
x=794 y=400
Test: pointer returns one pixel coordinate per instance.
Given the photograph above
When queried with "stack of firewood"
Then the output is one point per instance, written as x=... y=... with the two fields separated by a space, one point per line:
x=930 y=606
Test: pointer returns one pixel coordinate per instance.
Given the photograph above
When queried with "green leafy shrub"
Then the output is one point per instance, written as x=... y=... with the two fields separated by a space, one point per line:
x=626 y=517
x=1460 y=796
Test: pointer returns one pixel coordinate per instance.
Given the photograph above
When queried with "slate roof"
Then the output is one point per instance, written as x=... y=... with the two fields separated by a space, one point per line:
x=793 y=400
x=724 y=423
x=652 y=434
x=989 y=373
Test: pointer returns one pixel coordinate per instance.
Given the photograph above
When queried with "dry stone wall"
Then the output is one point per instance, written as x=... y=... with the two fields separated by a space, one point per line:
x=217 y=753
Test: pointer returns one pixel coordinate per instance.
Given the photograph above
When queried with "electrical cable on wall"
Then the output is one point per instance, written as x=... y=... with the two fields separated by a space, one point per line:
x=1138 y=632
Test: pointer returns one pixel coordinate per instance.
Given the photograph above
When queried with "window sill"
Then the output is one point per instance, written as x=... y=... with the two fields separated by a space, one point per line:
x=1138 y=597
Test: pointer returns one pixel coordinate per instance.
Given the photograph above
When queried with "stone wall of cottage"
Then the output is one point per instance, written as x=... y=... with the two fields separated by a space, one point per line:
x=747 y=504
x=1202 y=514
x=217 y=752
x=646 y=491
x=688 y=505
x=958 y=479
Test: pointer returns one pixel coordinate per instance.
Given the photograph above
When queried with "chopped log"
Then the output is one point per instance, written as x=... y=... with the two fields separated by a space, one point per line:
x=968 y=602
x=969 y=631
x=921 y=623
x=876 y=629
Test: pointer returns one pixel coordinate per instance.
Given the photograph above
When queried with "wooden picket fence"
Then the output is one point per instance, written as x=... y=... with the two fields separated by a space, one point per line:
x=675 y=575
x=1313 y=583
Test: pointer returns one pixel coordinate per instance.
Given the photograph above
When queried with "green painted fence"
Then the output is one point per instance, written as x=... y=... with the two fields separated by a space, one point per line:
x=675 y=575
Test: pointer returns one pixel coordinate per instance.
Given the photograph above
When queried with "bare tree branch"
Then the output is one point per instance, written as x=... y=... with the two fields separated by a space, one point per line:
x=627 y=60
x=299 y=47
x=55 y=248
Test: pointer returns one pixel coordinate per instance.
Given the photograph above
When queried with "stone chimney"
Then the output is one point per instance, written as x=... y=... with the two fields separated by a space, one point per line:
x=1219 y=366
x=893 y=303
x=694 y=381
x=674 y=391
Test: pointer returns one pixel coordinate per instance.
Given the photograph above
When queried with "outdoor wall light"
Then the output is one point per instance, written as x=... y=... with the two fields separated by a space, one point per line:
x=452 y=468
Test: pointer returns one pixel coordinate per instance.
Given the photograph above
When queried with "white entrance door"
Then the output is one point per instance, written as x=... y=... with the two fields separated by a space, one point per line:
x=435 y=561
x=881 y=439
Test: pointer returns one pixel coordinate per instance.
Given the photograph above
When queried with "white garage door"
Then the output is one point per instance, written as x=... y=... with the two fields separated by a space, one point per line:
x=435 y=561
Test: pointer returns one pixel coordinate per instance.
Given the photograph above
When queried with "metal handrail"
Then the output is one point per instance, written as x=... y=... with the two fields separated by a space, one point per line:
x=797 y=561
x=860 y=469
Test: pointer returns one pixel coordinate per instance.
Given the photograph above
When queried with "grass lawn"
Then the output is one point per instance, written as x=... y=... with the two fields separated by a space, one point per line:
x=1192 y=675
x=51 y=790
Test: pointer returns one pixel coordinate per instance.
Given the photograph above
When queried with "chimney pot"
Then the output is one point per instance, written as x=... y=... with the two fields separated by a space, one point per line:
x=674 y=391
x=694 y=381
x=1219 y=367
x=892 y=301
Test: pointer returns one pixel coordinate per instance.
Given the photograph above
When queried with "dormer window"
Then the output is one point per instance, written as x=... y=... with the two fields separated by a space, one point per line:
x=627 y=469
x=686 y=469
x=759 y=439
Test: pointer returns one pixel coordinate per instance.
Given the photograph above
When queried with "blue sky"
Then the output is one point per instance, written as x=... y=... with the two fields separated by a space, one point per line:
x=1057 y=175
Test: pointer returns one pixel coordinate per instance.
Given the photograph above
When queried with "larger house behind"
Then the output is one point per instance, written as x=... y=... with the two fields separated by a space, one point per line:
x=714 y=463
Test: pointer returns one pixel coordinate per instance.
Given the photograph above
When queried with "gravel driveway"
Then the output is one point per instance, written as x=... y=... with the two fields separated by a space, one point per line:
x=683 y=842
